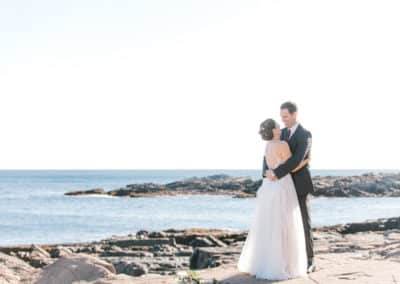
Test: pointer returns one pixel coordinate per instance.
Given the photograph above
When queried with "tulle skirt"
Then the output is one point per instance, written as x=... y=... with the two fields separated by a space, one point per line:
x=275 y=245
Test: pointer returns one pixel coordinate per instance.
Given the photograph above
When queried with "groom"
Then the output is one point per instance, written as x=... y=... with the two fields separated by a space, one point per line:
x=299 y=140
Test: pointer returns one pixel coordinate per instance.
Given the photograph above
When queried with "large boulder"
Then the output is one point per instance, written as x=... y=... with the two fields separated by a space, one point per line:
x=73 y=268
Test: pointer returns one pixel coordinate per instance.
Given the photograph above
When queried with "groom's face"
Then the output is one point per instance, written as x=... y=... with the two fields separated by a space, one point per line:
x=288 y=119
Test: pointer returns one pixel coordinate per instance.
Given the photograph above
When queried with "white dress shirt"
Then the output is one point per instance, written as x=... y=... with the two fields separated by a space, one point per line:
x=293 y=129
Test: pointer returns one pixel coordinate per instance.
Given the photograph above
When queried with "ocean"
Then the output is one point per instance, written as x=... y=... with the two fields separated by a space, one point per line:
x=34 y=209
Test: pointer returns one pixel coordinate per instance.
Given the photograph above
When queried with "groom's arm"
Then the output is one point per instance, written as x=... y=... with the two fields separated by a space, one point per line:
x=303 y=146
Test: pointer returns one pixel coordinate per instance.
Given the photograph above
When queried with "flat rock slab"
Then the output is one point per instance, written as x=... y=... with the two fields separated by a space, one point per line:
x=139 y=242
x=331 y=268
x=335 y=268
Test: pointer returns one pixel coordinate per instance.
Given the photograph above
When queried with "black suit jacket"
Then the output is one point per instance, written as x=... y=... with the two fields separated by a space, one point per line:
x=300 y=146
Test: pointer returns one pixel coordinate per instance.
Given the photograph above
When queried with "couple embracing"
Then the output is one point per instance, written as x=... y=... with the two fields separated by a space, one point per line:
x=279 y=244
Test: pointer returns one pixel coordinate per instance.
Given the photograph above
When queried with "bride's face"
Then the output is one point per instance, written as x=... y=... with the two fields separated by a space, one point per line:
x=277 y=131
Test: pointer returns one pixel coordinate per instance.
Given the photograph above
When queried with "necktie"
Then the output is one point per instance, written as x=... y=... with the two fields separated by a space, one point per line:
x=288 y=136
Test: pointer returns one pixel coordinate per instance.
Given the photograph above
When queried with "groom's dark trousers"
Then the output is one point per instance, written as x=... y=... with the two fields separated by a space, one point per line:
x=299 y=144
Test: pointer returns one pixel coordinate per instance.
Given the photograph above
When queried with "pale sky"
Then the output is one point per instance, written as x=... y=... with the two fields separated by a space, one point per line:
x=185 y=84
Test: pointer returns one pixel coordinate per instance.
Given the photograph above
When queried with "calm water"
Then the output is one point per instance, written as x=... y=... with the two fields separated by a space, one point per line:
x=33 y=208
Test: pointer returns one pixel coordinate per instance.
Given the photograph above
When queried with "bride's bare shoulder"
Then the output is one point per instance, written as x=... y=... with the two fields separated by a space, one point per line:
x=284 y=146
x=283 y=143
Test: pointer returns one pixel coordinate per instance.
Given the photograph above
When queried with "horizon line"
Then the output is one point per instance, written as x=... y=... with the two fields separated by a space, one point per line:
x=199 y=169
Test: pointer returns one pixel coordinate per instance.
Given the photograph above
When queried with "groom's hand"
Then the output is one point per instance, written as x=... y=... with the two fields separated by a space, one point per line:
x=270 y=176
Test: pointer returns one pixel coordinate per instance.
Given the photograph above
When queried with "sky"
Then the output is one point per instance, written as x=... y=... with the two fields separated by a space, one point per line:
x=185 y=84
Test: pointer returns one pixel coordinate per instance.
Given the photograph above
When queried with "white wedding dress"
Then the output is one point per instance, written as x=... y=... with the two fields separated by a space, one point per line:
x=275 y=245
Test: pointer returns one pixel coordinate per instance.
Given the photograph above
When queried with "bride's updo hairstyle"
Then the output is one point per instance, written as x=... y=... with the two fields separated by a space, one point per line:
x=266 y=128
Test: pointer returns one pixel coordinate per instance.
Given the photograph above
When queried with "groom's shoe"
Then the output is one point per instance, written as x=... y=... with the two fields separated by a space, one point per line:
x=311 y=266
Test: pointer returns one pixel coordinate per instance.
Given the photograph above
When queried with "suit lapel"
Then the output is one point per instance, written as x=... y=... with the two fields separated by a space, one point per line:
x=285 y=135
x=296 y=132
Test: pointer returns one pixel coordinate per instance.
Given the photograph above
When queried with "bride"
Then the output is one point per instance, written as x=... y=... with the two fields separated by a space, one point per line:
x=275 y=245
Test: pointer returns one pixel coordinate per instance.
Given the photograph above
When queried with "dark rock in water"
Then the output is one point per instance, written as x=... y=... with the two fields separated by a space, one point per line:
x=143 y=188
x=84 y=192
x=215 y=184
x=367 y=185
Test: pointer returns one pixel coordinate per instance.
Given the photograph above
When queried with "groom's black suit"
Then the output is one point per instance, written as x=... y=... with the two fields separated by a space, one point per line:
x=299 y=144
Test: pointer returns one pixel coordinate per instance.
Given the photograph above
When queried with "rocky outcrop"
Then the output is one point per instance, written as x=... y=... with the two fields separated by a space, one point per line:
x=87 y=192
x=367 y=185
x=169 y=252
x=214 y=184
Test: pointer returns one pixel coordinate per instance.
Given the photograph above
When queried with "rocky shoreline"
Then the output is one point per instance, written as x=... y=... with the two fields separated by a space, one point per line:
x=366 y=185
x=161 y=256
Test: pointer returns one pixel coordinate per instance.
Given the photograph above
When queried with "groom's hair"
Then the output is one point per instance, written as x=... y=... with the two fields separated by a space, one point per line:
x=290 y=106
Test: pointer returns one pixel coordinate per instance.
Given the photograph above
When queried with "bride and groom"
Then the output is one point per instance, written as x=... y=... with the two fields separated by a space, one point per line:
x=279 y=243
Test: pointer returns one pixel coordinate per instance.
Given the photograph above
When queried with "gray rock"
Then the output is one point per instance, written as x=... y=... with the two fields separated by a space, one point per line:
x=75 y=267
x=131 y=268
x=14 y=270
x=136 y=242
x=59 y=251
x=85 y=192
